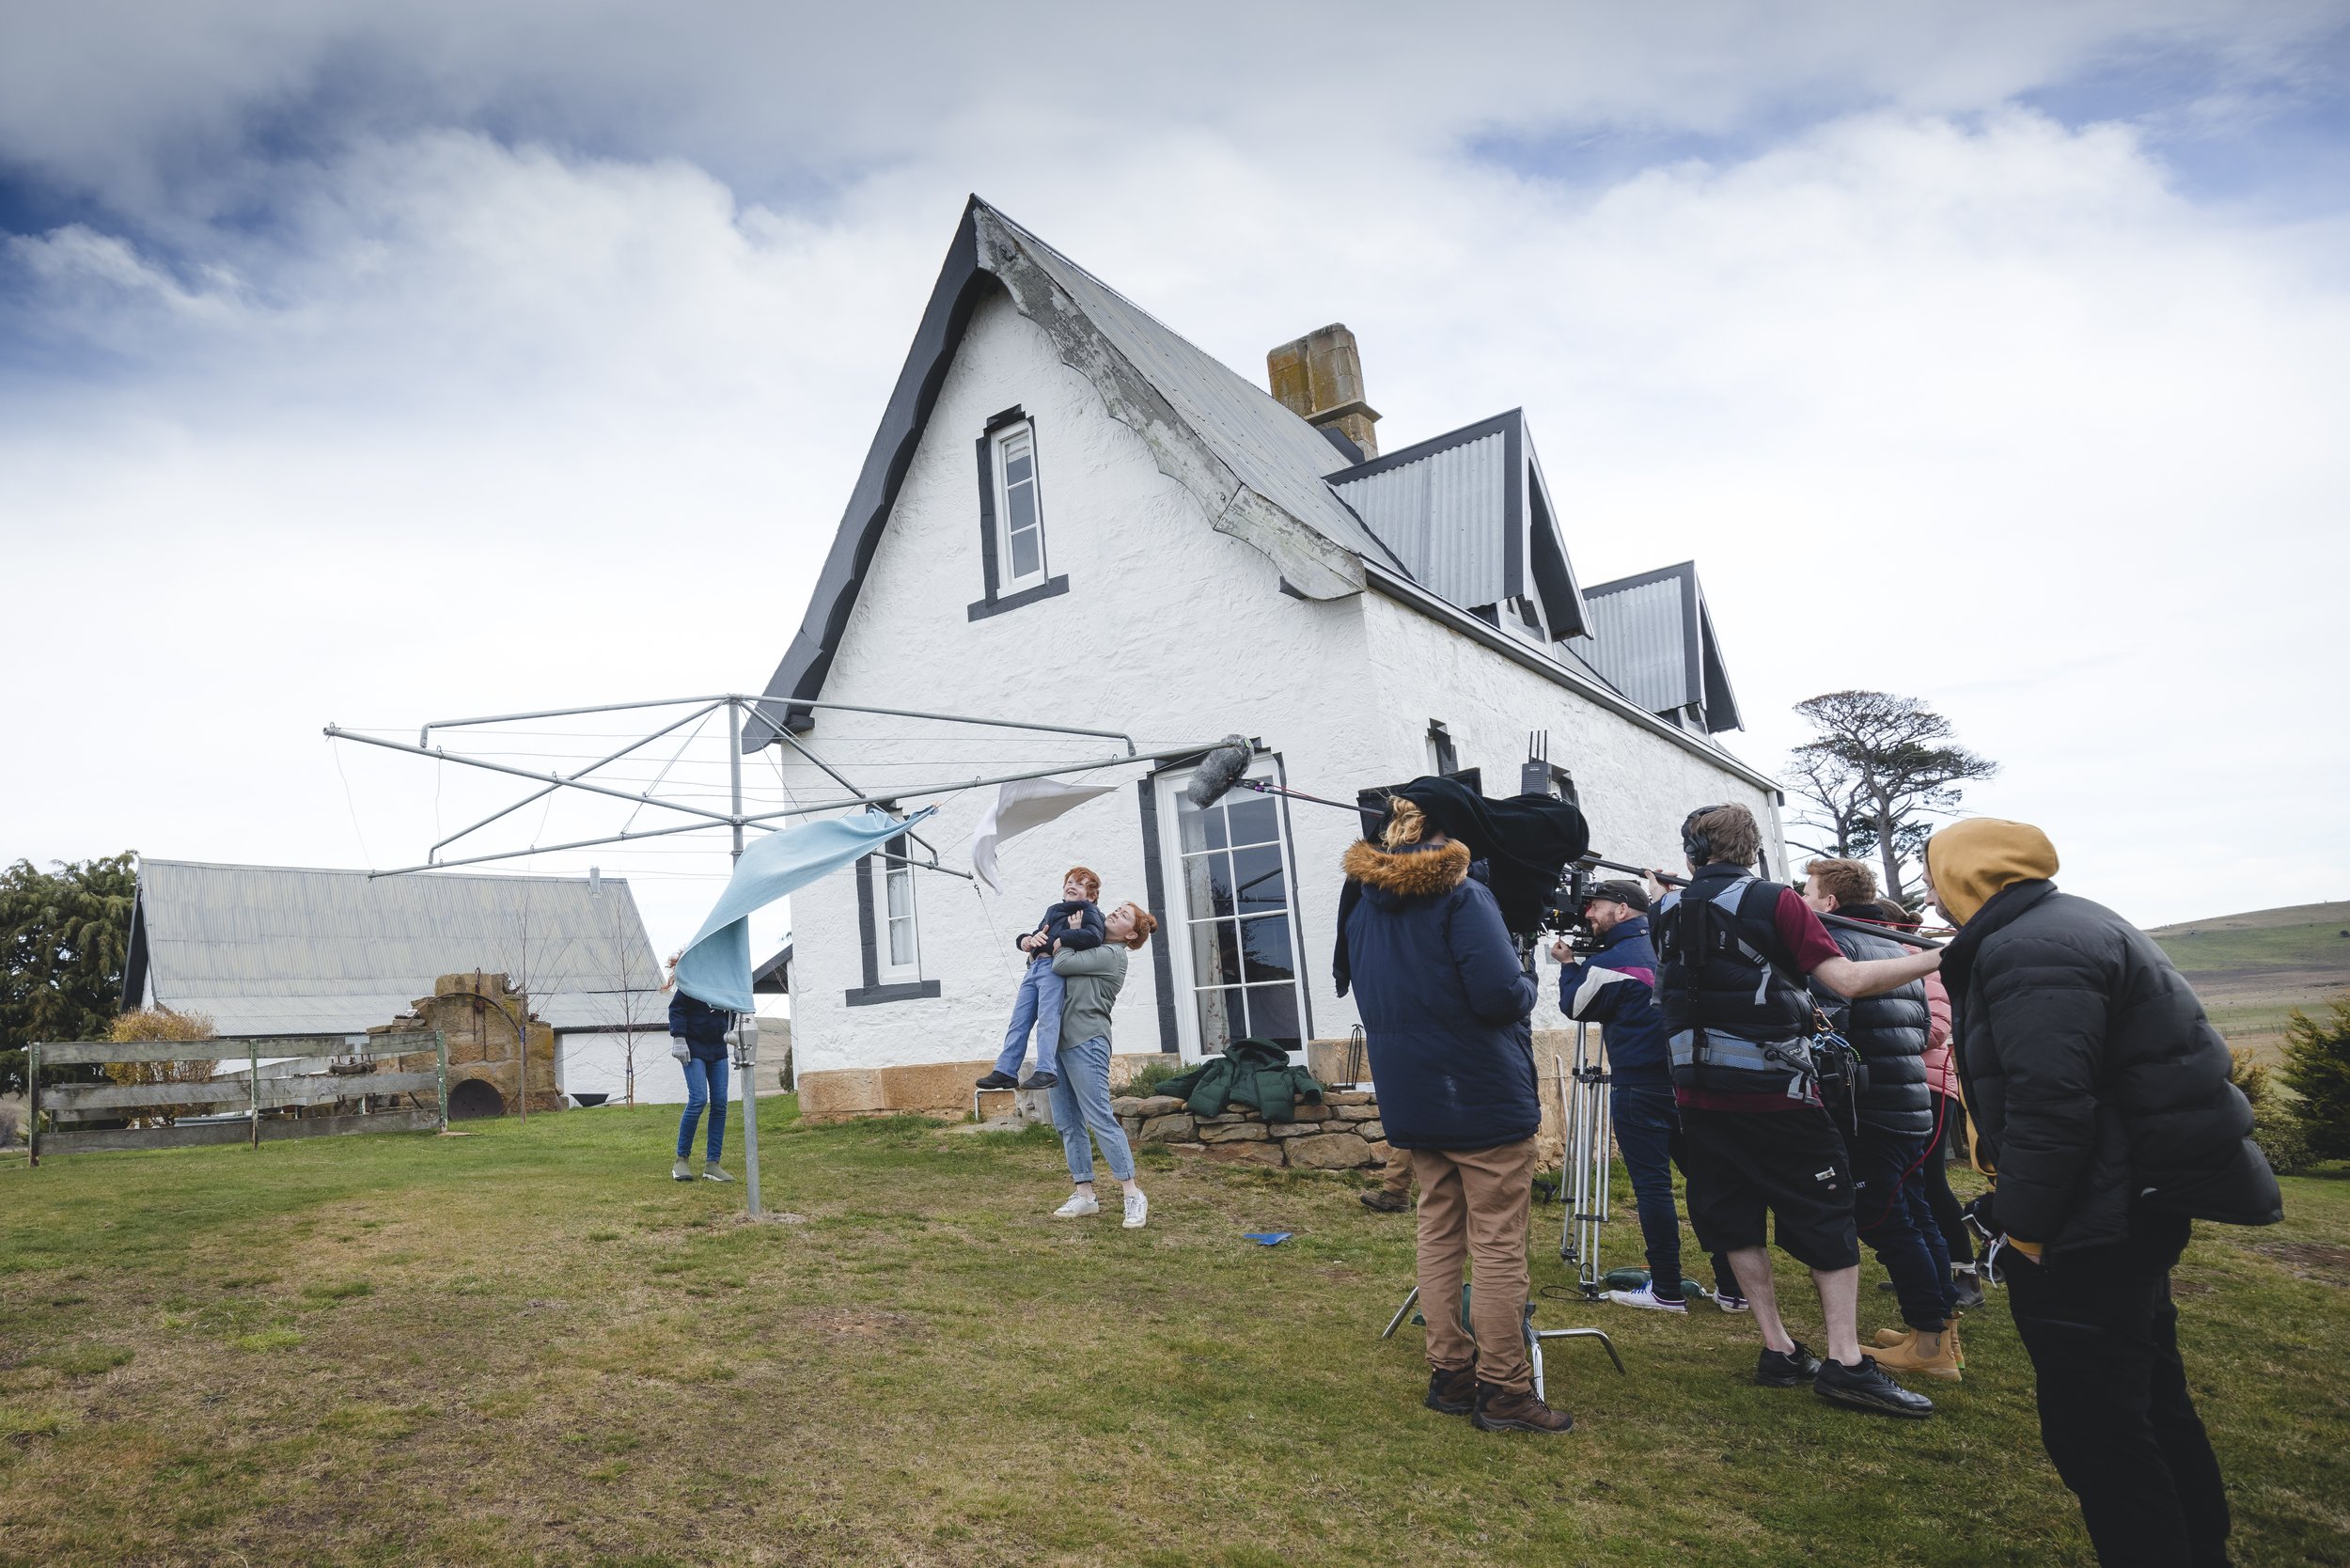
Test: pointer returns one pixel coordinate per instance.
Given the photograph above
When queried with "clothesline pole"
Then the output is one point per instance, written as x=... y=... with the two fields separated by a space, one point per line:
x=748 y=1050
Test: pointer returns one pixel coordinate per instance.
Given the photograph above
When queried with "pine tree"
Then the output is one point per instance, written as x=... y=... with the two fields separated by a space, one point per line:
x=2317 y=1068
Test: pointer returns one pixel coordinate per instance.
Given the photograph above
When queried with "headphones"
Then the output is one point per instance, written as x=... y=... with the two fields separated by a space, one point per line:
x=1695 y=844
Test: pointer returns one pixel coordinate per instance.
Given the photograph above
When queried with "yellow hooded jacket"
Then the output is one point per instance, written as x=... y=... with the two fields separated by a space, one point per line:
x=1969 y=861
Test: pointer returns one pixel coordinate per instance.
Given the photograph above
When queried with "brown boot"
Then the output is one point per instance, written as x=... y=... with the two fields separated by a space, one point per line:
x=1930 y=1354
x=1385 y=1201
x=1891 y=1337
x=1451 y=1393
x=1497 y=1411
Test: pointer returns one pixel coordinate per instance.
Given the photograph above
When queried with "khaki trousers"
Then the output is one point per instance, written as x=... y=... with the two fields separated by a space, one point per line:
x=1473 y=1207
x=1398 y=1178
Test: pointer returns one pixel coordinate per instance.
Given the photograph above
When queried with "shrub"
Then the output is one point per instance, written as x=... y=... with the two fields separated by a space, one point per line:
x=2317 y=1069
x=160 y=1023
x=1146 y=1082
x=2276 y=1129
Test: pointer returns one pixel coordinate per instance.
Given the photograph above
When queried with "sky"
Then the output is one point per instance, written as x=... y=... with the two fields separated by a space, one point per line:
x=373 y=366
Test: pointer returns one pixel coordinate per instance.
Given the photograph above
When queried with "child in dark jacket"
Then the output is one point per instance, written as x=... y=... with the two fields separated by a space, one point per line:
x=1038 y=1005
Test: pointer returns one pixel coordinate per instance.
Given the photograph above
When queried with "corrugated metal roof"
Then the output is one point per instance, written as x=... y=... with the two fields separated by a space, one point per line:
x=279 y=950
x=1445 y=513
x=1270 y=449
x=1652 y=640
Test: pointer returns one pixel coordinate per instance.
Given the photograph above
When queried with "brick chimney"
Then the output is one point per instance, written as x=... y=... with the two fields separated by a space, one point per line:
x=1320 y=379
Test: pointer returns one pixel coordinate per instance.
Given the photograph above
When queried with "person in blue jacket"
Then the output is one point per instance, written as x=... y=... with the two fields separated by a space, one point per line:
x=1445 y=1003
x=1615 y=987
x=697 y=1038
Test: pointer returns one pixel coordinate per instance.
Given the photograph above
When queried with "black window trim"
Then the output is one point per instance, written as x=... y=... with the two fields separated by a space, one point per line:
x=993 y=601
x=872 y=991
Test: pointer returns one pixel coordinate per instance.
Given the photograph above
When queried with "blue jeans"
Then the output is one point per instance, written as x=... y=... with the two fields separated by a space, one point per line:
x=705 y=1085
x=1081 y=1101
x=1894 y=1218
x=1038 y=1005
x=1646 y=1129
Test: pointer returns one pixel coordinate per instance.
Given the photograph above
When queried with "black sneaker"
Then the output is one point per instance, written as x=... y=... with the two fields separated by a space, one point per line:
x=1040 y=1080
x=1452 y=1393
x=1785 y=1369
x=1867 y=1387
x=1967 y=1292
x=999 y=1080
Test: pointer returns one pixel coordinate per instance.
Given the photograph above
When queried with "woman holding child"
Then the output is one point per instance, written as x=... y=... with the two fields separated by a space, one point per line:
x=1092 y=974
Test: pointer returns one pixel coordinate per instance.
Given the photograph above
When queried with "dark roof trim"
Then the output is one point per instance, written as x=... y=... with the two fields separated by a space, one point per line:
x=802 y=671
x=773 y=977
x=1498 y=425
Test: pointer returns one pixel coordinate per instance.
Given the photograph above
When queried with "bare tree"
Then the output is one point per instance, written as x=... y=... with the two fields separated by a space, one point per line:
x=1877 y=770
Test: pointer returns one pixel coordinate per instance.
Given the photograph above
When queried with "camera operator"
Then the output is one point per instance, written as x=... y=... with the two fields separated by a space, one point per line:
x=2102 y=1101
x=1888 y=1128
x=1445 y=1006
x=1614 y=985
x=1737 y=1022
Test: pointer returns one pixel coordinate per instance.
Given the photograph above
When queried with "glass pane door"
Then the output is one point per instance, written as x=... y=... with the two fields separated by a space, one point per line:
x=1234 y=929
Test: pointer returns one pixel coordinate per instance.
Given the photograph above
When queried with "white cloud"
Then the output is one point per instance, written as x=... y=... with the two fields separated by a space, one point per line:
x=1945 y=397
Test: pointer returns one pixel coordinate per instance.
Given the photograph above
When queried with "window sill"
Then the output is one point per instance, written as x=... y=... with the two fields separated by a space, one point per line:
x=905 y=991
x=1051 y=587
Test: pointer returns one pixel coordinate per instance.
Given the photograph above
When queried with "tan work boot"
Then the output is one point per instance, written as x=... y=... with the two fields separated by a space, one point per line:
x=1928 y=1354
x=1891 y=1337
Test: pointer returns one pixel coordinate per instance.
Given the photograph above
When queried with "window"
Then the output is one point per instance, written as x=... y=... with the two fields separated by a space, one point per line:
x=1232 y=931
x=1019 y=511
x=899 y=947
x=1441 y=759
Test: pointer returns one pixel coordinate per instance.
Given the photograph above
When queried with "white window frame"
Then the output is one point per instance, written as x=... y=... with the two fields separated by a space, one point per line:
x=1176 y=929
x=1004 y=444
x=894 y=873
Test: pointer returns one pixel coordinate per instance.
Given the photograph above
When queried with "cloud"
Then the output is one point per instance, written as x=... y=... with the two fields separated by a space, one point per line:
x=484 y=363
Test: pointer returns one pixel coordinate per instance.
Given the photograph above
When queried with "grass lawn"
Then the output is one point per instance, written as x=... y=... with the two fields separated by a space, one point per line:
x=2252 y=970
x=526 y=1345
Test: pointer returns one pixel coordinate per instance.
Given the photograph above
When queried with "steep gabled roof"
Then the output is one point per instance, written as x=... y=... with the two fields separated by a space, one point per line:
x=284 y=949
x=1255 y=467
x=1471 y=517
x=1652 y=640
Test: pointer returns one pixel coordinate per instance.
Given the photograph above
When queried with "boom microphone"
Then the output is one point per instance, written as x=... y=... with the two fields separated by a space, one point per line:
x=1218 y=771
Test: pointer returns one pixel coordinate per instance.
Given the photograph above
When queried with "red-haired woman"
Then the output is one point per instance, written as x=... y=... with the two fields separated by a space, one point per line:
x=1090 y=978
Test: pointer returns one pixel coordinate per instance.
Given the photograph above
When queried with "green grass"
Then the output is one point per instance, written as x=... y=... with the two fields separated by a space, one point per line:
x=527 y=1345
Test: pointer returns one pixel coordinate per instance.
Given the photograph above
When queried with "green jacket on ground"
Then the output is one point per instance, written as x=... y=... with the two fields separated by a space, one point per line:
x=1091 y=980
x=1252 y=1072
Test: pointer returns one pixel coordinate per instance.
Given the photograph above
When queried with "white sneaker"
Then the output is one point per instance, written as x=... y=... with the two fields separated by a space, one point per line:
x=1732 y=1303
x=1079 y=1206
x=1646 y=1296
x=1137 y=1210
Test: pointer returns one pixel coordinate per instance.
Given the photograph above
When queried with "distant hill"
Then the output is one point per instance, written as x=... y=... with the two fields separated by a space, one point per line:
x=2253 y=969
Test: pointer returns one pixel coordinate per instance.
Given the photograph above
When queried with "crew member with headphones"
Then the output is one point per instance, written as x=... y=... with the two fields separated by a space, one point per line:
x=1734 y=952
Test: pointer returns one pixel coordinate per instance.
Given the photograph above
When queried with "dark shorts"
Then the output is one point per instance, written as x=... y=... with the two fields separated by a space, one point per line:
x=1790 y=1164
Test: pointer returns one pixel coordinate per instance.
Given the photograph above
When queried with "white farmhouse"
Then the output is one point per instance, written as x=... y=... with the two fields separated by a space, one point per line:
x=1072 y=517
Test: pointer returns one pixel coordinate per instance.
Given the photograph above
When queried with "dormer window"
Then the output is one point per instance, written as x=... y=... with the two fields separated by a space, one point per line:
x=1020 y=541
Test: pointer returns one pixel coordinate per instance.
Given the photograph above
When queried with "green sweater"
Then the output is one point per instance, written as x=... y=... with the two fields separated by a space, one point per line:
x=1090 y=981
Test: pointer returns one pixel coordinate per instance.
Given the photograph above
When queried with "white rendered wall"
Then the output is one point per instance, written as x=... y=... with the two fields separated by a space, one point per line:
x=1174 y=632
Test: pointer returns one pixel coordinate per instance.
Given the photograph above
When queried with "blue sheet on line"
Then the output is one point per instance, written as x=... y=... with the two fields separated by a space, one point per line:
x=716 y=965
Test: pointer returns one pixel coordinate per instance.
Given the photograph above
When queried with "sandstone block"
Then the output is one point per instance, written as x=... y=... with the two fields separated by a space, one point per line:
x=1331 y=1151
x=1125 y=1104
x=1311 y=1113
x=1346 y=1097
x=1381 y=1155
x=1372 y=1131
x=1293 y=1129
x=1169 y=1129
x=1241 y=1152
x=1234 y=1131
x=1222 y=1119
x=1159 y=1105
x=1354 y=1113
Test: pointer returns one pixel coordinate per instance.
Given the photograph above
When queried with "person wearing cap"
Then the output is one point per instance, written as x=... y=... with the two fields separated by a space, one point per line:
x=2104 y=1110
x=1615 y=987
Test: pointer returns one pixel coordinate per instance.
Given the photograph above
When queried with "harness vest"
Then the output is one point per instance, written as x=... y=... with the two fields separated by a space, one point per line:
x=1736 y=1020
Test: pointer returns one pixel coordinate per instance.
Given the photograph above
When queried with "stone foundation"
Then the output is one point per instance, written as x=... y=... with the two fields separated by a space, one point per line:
x=940 y=1089
x=1343 y=1133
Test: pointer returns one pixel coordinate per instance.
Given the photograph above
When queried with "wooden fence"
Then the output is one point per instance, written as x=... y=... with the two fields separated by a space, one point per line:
x=281 y=1092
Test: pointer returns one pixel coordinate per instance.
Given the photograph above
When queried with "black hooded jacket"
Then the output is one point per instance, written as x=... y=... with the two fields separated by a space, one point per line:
x=2096 y=1081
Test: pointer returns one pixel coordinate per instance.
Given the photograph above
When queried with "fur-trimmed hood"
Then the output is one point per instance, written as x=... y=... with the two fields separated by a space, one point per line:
x=1409 y=874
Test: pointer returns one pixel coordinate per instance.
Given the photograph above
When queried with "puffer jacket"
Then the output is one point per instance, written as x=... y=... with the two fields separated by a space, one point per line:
x=1255 y=1074
x=1444 y=1000
x=1890 y=1032
x=1941 y=1072
x=2096 y=1081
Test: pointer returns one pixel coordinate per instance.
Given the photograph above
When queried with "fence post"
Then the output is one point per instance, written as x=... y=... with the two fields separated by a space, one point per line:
x=32 y=1105
x=440 y=1070
x=252 y=1082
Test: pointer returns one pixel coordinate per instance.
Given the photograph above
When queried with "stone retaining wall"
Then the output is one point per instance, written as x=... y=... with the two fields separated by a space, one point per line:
x=1343 y=1133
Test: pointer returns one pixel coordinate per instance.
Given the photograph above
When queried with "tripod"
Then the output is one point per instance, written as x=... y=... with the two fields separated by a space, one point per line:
x=1583 y=1167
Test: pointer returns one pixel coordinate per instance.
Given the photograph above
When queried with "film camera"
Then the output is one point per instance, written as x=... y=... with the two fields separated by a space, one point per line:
x=1565 y=913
